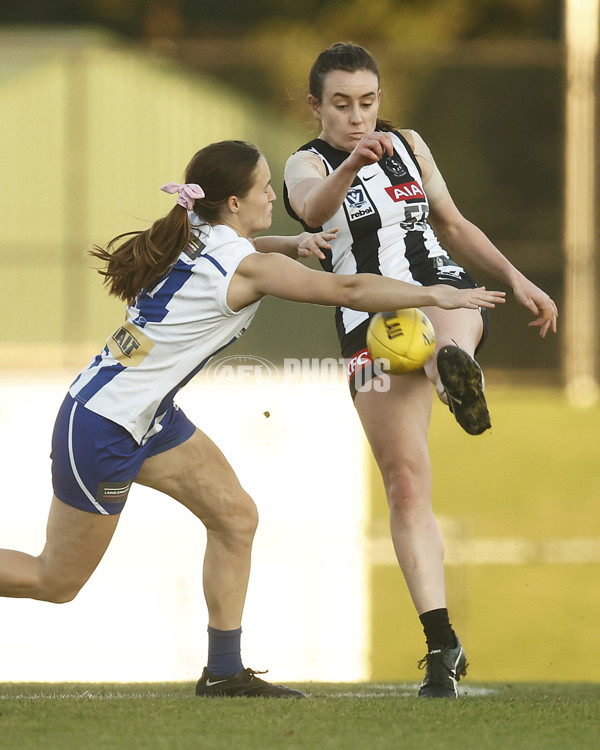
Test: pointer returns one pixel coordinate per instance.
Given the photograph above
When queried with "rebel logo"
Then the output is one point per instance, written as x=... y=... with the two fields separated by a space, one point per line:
x=406 y=192
x=357 y=203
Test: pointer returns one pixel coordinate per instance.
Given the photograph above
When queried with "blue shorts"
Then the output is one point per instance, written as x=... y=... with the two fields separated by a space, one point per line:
x=95 y=460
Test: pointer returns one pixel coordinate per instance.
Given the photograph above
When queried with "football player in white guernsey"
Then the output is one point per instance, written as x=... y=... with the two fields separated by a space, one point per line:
x=192 y=283
x=383 y=192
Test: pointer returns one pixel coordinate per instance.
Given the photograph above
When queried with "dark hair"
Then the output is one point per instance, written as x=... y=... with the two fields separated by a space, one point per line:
x=143 y=258
x=343 y=56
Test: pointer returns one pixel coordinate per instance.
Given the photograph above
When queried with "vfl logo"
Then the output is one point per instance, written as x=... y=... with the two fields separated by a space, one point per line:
x=405 y=192
x=357 y=203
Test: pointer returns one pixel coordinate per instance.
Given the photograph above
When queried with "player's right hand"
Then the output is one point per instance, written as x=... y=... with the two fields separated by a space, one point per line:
x=370 y=149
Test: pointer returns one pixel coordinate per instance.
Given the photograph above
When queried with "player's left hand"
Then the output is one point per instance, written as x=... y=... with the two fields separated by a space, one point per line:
x=314 y=243
x=540 y=304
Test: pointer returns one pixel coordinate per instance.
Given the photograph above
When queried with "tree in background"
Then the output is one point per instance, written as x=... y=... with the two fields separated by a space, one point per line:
x=425 y=20
x=265 y=47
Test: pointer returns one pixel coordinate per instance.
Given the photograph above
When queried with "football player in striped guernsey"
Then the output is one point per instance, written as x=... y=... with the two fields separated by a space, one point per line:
x=381 y=189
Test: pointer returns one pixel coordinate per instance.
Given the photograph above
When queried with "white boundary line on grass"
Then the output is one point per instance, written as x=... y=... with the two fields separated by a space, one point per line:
x=462 y=550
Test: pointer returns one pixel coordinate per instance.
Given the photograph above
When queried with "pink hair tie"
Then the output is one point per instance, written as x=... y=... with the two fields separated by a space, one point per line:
x=188 y=194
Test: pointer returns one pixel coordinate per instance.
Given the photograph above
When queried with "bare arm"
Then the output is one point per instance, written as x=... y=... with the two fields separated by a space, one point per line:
x=316 y=200
x=298 y=246
x=469 y=244
x=278 y=244
x=258 y=275
x=466 y=241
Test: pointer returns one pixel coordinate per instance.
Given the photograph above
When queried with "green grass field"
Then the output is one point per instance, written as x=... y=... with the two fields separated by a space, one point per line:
x=376 y=716
x=533 y=481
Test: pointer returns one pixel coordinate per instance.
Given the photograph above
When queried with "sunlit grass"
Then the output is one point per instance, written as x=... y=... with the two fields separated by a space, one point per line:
x=345 y=716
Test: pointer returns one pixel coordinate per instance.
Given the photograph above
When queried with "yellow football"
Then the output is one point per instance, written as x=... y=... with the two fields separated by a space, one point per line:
x=403 y=338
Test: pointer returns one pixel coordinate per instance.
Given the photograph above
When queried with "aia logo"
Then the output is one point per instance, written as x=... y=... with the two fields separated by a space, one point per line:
x=406 y=192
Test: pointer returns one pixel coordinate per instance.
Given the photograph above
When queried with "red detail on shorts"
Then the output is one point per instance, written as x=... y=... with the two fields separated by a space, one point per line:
x=357 y=362
x=405 y=192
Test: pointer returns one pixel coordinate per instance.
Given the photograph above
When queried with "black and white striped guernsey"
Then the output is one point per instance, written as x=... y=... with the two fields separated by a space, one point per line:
x=382 y=222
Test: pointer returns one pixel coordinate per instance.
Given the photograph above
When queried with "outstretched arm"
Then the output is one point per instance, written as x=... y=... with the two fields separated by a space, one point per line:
x=469 y=244
x=298 y=246
x=466 y=241
x=274 y=274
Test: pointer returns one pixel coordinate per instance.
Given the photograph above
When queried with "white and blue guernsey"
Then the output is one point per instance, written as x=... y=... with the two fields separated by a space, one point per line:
x=170 y=333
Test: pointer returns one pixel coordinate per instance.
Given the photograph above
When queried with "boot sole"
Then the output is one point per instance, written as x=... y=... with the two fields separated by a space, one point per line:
x=463 y=383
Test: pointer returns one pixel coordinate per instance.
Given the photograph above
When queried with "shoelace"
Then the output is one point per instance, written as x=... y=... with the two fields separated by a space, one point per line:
x=436 y=662
x=254 y=672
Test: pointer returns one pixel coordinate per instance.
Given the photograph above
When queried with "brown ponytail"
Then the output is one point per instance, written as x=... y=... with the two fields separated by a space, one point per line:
x=144 y=258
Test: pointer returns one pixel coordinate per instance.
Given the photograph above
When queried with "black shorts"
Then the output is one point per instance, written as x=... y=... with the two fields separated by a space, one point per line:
x=360 y=368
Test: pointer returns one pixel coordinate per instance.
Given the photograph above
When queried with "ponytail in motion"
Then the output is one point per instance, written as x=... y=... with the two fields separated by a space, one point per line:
x=139 y=260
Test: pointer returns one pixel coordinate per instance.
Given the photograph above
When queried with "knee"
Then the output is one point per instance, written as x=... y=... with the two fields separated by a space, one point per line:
x=245 y=521
x=56 y=582
x=236 y=517
x=408 y=488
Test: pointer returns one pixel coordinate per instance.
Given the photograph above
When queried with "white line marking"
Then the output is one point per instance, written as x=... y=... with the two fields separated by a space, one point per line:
x=89 y=496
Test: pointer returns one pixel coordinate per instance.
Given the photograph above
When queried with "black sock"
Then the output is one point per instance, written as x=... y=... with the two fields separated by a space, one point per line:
x=437 y=629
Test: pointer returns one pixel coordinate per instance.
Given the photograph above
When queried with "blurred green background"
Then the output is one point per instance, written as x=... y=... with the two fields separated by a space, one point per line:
x=103 y=114
x=518 y=511
x=105 y=101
